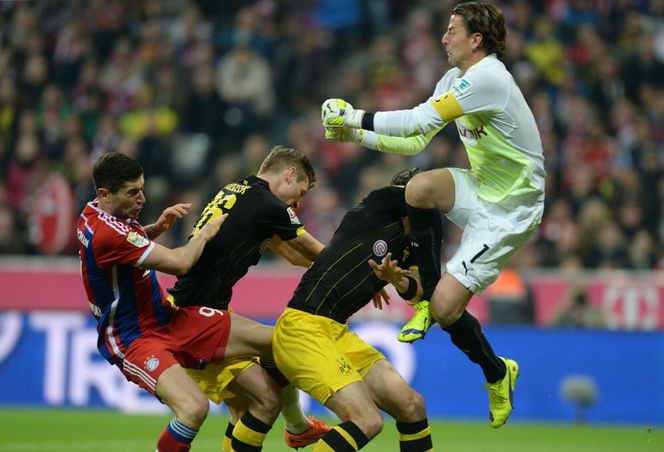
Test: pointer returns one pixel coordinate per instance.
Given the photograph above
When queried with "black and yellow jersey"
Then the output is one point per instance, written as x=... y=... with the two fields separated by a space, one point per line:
x=340 y=281
x=255 y=216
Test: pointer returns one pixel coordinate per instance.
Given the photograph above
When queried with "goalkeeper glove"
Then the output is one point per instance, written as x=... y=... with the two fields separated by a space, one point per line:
x=339 y=113
x=344 y=135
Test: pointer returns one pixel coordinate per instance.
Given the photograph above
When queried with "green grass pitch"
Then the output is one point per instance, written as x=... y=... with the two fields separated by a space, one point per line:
x=23 y=430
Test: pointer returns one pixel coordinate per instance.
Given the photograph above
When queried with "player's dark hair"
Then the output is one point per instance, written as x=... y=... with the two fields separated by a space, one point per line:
x=112 y=170
x=486 y=19
x=403 y=176
x=281 y=157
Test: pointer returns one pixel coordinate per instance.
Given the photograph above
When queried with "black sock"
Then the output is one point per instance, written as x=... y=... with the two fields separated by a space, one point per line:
x=466 y=334
x=426 y=236
x=414 y=436
x=336 y=441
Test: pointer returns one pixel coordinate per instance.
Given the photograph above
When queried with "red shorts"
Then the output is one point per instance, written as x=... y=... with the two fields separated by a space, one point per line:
x=195 y=336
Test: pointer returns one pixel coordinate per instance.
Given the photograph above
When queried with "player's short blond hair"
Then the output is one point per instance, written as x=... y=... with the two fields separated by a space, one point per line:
x=281 y=157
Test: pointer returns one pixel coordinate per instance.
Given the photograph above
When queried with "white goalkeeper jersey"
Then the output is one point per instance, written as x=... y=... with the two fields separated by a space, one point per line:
x=494 y=122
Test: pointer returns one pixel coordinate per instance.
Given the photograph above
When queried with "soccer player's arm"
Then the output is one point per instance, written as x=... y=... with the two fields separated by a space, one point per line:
x=409 y=286
x=404 y=132
x=166 y=219
x=298 y=251
x=289 y=238
x=406 y=282
x=179 y=261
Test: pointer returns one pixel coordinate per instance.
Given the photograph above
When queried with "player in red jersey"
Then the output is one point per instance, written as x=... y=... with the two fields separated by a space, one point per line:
x=149 y=340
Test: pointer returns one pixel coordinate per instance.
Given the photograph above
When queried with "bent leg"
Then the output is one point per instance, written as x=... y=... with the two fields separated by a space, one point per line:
x=260 y=393
x=247 y=338
x=362 y=419
x=184 y=397
x=392 y=394
x=428 y=194
x=263 y=395
x=448 y=307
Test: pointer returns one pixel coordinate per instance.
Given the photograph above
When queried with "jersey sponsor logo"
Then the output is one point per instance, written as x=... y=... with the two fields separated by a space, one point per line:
x=473 y=133
x=380 y=247
x=137 y=239
x=151 y=363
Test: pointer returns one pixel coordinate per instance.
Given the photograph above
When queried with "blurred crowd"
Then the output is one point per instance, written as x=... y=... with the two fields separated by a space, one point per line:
x=199 y=91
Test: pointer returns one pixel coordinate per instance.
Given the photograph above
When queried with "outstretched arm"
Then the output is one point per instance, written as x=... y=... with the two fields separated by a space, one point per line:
x=166 y=219
x=406 y=282
x=392 y=145
x=179 y=261
x=431 y=115
x=301 y=250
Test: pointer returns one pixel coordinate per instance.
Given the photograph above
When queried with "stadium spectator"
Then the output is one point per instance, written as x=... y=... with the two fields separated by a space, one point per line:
x=576 y=312
x=510 y=299
x=100 y=54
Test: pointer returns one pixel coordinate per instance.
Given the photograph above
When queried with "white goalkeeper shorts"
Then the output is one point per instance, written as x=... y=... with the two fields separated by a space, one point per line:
x=492 y=232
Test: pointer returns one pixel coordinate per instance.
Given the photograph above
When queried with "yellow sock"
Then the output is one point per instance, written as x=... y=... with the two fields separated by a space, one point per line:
x=249 y=434
x=228 y=438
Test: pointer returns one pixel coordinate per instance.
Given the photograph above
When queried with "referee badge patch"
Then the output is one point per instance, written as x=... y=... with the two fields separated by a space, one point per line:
x=380 y=248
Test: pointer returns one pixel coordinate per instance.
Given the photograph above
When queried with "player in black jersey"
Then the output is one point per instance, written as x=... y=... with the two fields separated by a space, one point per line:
x=260 y=215
x=313 y=347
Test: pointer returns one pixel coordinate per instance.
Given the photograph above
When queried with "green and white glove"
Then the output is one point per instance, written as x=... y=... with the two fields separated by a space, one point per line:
x=344 y=135
x=339 y=113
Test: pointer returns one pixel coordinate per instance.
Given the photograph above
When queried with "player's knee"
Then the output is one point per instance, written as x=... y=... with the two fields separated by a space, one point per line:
x=445 y=311
x=412 y=407
x=269 y=404
x=419 y=191
x=195 y=410
x=371 y=424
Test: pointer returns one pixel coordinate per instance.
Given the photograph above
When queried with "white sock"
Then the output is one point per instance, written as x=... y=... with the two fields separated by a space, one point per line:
x=296 y=421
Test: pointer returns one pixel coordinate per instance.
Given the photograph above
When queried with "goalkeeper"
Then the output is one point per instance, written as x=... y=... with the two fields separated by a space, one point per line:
x=498 y=202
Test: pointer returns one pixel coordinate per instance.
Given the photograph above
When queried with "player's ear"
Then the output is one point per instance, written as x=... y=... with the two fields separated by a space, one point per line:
x=103 y=193
x=291 y=175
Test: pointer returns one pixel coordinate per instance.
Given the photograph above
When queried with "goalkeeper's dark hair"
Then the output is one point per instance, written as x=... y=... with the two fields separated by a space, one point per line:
x=486 y=19
x=112 y=170
x=281 y=157
x=403 y=176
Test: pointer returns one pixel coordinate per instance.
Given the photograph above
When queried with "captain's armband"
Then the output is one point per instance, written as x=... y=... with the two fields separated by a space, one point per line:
x=447 y=107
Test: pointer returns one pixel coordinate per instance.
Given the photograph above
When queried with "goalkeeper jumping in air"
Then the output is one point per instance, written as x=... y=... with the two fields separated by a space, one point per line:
x=498 y=202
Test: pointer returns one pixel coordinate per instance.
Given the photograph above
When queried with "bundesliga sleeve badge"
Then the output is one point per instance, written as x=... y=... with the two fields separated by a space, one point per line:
x=137 y=239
